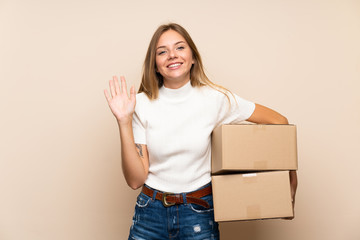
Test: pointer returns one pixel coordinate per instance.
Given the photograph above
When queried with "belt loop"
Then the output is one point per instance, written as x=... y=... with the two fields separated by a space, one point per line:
x=154 y=195
x=184 y=197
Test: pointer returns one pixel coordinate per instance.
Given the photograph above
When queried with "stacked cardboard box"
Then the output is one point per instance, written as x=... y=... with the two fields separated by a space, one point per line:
x=250 y=167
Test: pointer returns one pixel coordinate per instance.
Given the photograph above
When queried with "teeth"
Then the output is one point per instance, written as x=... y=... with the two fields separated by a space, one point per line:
x=174 y=65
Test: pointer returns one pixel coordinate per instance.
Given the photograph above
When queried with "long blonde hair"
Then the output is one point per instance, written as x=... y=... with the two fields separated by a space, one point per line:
x=152 y=80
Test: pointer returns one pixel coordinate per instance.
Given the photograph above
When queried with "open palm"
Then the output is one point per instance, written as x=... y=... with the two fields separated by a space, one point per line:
x=121 y=105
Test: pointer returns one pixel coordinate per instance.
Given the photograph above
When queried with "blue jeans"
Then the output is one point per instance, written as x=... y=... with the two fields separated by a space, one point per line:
x=153 y=221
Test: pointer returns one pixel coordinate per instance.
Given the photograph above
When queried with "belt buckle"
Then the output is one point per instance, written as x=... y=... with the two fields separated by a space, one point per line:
x=164 y=202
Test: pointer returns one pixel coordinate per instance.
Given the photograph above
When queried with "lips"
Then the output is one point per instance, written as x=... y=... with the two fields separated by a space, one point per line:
x=174 y=65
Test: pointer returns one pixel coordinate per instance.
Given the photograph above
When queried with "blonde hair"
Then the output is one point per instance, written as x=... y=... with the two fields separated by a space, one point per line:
x=152 y=80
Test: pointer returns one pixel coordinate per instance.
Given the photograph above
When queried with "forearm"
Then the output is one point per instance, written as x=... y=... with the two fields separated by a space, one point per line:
x=134 y=171
x=265 y=115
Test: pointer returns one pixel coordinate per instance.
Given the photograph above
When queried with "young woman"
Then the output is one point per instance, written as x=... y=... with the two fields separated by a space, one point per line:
x=165 y=133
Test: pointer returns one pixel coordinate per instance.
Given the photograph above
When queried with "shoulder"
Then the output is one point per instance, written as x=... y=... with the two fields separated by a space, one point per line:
x=210 y=91
x=141 y=97
x=142 y=100
x=214 y=93
x=142 y=103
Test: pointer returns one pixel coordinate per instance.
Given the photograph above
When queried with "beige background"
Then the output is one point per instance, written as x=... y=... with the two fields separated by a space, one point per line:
x=60 y=170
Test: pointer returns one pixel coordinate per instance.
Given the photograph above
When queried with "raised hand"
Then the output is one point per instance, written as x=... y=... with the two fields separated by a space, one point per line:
x=121 y=105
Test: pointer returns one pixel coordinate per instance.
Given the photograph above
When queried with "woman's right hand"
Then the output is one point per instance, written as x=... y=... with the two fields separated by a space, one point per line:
x=121 y=105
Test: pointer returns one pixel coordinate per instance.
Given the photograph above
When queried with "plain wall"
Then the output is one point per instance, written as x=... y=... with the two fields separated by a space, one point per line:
x=60 y=165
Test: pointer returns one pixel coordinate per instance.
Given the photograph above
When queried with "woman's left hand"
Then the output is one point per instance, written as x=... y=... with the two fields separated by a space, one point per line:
x=293 y=186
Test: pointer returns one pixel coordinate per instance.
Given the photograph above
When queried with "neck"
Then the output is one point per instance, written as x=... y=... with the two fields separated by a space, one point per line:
x=175 y=94
x=173 y=84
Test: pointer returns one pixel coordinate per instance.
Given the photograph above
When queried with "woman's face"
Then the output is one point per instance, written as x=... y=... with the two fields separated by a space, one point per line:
x=173 y=59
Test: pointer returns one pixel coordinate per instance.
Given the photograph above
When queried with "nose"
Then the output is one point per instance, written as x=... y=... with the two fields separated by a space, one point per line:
x=172 y=54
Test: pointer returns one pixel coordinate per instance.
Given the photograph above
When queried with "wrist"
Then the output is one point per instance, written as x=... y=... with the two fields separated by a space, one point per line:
x=125 y=122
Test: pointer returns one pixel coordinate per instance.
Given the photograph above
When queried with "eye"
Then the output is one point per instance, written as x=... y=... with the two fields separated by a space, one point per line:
x=181 y=48
x=161 y=52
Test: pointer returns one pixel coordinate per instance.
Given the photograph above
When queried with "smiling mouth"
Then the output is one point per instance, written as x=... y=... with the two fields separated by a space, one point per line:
x=174 y=65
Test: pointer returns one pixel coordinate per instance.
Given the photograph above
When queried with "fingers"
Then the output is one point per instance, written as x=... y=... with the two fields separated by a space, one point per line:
x=116 y=84
x=117 y=89
x=112 y=86
x=123 y=85
x=132 y=94
x=107 y=96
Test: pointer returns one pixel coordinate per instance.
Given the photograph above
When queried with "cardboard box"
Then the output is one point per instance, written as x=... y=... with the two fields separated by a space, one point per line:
x=252 y=196
x=253 y=147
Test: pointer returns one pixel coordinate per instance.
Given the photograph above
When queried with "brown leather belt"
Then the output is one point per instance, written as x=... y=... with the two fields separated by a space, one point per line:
x=170 y=199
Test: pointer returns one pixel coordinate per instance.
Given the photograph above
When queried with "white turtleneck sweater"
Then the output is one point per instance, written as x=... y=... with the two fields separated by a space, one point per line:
x=177 y=129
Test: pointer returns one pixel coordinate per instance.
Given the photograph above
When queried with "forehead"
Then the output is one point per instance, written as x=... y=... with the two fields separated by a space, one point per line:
x=170 y=37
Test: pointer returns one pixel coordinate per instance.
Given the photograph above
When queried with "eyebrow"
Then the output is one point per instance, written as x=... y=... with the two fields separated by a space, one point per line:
x=174 y=44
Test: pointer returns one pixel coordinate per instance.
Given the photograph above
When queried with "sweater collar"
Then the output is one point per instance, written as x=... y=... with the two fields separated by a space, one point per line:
x=176 y=94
